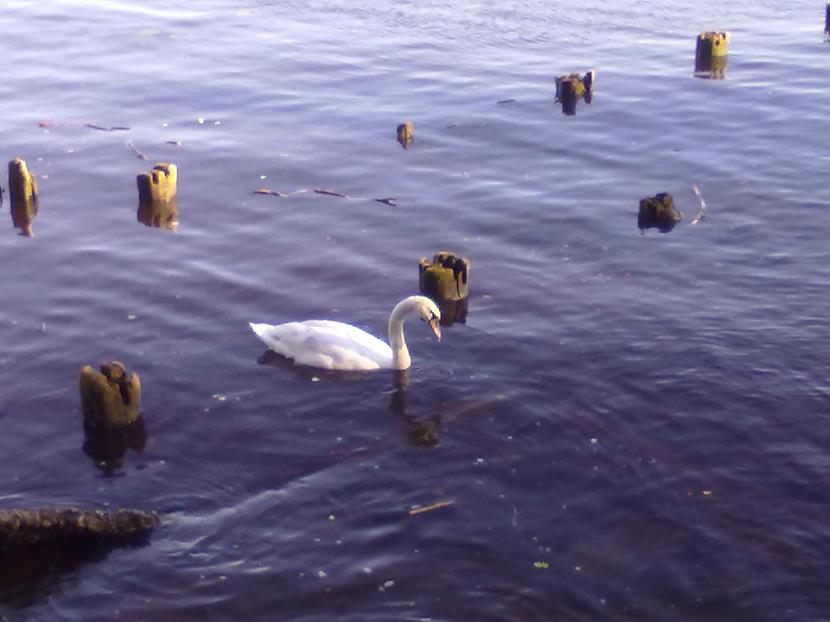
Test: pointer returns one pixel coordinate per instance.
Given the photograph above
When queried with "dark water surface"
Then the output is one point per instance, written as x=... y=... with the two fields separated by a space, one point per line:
x=630 y=427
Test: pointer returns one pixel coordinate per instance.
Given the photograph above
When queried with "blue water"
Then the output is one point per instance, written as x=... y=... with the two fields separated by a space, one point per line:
x=630 y=425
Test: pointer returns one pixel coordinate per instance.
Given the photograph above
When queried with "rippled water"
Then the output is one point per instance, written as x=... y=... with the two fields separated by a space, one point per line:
x=629 y=426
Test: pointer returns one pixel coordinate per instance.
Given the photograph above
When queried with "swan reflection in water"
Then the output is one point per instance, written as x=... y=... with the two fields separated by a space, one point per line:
x=159 y=214
x=108 y=446
x=23 y=215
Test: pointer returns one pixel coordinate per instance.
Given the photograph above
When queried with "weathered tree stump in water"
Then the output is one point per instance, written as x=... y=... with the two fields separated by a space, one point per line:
x=72 y=526
x=569 y=89
x=446 y=278
x=22 y=196
x=711 y=54
x=658 y=211
x=406 y=134
x=22 y=184
x=159 y=184
x=110 y=398
x=447 y=281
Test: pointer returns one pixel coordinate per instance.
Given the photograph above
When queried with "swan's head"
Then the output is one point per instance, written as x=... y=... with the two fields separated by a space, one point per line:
x=430 y=313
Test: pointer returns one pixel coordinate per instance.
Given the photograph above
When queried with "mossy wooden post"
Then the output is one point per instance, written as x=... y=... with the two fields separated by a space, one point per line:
x=406 y=134
x=658 y=211
x=159 y=184
x=22 y=184
x=447 y=281
x=110 y=398
x=568 y=90
x=711 y=53
x=588 y=82
x=22 y=196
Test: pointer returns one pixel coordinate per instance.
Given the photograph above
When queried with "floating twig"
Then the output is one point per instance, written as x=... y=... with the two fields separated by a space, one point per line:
x=505 y=101
x=331 y=193
x=702 y=211
x=139 y=154
x=391 y=201
x=430 y=508
x=111 y=128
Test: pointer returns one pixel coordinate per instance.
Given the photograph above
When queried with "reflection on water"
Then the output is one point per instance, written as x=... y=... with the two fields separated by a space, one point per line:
x=711 y=67
x=23 y=215
x=453 y=311
x=108 y=446
x=160 y=214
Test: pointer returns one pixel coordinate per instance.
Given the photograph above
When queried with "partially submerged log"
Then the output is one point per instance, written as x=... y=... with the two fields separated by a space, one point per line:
x=110 y=398
x=73 y=526
x=406 y=134
x=159 y=184
x=658 y=211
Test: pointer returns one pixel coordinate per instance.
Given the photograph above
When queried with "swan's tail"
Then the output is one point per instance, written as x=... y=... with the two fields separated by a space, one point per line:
x=259 y=329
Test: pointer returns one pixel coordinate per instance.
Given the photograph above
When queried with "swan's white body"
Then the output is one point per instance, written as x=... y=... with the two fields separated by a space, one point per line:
x=335 y=345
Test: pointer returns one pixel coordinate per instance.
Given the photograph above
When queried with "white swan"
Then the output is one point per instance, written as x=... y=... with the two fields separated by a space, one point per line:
x=335 y=345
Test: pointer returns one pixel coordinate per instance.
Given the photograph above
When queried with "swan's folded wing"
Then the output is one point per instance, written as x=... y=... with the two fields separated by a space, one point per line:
x=327 y=344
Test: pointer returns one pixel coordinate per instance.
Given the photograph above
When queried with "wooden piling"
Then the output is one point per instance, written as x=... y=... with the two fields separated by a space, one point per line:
x=827 y=19
x=159 y=184
x=110 y=398
x=711 y=51
x=659 y=212
x=447 y=281
x=22 y=184
x=406 y=134
x=446 y=278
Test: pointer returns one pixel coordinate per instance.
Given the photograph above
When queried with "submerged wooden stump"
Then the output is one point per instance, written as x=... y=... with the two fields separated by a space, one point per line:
x=658 y=211
x=711 y=54
x=72 y=526
x=110 y=398
x=406 y=134
x=159 y=184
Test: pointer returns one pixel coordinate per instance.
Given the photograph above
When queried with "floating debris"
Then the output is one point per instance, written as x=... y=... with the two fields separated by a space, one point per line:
x=391 y=201
x=138 y=153
x=543 y=565
x=702 y=211
x=429 y=508
x=506 y=101
x=109 y=128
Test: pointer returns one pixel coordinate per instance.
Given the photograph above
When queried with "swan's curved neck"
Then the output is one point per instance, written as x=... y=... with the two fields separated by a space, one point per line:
x=400 y=353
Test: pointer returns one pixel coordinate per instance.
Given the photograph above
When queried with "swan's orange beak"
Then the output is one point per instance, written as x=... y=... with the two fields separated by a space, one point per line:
x=436 y=328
